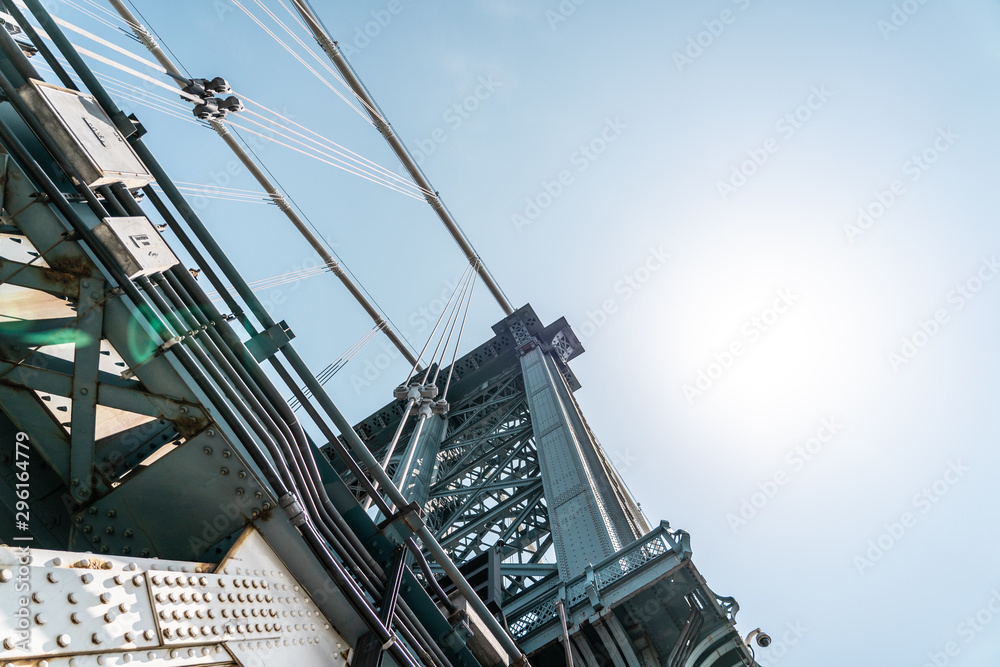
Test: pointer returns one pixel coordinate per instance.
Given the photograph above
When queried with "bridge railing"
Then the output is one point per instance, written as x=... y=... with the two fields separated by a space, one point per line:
x=647 y=549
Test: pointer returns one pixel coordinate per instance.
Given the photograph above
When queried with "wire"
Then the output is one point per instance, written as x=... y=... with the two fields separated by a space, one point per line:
x=454 y=356
x=299 y=58
x=453 y=321
x=356 y=157
x=345 y=166
x=436 y=325
x=316 y=157
x=327 y=373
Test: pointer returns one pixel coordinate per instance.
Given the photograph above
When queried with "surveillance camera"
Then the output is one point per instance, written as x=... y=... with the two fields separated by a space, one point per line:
x=763 y=639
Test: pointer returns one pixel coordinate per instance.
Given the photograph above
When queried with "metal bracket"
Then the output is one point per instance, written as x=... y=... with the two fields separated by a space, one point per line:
x=402 y=525
x=266 y=344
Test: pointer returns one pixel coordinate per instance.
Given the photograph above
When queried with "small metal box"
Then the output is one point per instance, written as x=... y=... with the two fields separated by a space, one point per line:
x=136 y=245
x=94 y=146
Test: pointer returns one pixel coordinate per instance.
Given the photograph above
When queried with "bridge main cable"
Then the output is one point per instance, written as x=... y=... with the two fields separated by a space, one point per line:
x=270 y=188
x=402 y=152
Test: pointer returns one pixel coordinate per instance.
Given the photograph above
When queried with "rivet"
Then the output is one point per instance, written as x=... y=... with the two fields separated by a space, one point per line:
x=6 y=575
x=95 y=639
x=71 y=598
x=40 y=619
x=63 y=640
x=83 y=391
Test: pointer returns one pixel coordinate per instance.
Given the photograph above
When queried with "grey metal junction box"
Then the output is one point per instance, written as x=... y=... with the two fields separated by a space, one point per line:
x=94 y=146
x=136 y=245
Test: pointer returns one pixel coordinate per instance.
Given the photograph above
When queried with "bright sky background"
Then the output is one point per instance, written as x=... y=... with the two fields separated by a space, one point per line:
x=881 y=94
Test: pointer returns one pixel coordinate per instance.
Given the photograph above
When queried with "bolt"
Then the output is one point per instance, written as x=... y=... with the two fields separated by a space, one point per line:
x=109 y=530
x=112 y=512
x=266 y=505
x=223 y=471
x=104 y=548
x=226 y=454
x=258 y=495
x=91 y=510
x=208 y=450
x=242 y=474
x=239 y=491
x=127 y=532
x=88 y=528
x=144 y=553
x=210 y=433
x=126 y=550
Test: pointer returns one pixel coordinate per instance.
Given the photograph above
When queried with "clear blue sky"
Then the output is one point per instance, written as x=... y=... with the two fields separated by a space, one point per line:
x=772 y=223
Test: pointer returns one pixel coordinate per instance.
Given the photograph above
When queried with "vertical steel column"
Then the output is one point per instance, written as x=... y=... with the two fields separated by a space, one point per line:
x=414 y=482
x=582 y=529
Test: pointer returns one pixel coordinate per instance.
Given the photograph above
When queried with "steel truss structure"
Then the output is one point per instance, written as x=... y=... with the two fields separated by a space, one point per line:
x=163 y=504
